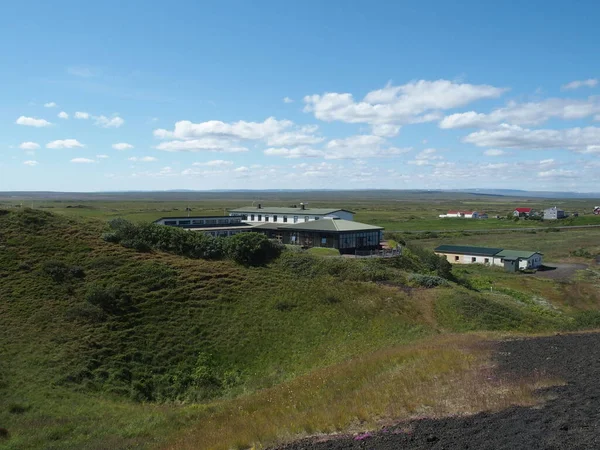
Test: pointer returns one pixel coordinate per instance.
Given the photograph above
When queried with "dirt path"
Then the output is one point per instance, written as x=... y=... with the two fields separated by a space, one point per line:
x=569 y=420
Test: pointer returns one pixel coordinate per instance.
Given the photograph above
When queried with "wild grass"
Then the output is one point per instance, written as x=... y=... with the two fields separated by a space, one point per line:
x=432 y=378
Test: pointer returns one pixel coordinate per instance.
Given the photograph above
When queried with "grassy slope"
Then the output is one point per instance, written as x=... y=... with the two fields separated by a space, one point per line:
x=67 y=378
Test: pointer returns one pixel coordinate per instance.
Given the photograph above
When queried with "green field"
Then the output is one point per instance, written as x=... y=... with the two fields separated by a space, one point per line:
x=106 y=347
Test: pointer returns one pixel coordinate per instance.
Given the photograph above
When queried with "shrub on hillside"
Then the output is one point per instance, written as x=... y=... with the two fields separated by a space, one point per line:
x=60 y=272
x=253 y=249
x=427 y=281
x=581 y=253
x=109 y=298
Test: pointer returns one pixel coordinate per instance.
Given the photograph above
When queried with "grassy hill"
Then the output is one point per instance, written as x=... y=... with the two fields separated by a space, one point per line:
x=186 y=341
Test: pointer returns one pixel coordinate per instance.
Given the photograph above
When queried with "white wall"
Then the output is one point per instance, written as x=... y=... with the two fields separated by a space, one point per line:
x=468 y=259
x=302 y=216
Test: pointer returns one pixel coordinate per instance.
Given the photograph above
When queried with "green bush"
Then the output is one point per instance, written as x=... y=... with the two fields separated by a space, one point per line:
x=252 y=249
x=60 y=272
x=427 y=281
x=108 y=298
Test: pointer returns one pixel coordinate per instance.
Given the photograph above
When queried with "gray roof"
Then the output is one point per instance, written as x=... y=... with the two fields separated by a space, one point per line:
x=292 y=211
x=334 y=225
x=516 y=254
x=467 y=250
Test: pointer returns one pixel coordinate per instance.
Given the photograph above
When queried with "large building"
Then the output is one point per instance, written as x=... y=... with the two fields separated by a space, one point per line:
x=345 y=235
x=554 y=213
x=294 y=214
x=212 y=225
x=465 y=254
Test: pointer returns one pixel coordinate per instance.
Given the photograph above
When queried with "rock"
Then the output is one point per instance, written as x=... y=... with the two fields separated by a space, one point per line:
x=432 y=438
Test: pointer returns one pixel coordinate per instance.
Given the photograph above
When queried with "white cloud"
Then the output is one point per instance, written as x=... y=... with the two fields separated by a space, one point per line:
x=185 y=129
x=591 y=82
x=29 y=146
x=63 y=115
x=533 y=113
x=122 y=146
x=558 y=173
x=385 y=130
x=50 y=105
x=214 y=163
x=78 y=71
x=82 y=115
x=32 y=122
x=494 y=152
x=293 y=138
x=361 y=146
x=583 y=140
x=143 y=159
x=241 y=169
x=65 y=143
x=287 y=100
x=199 y=145
x=428 y=157
x=106 y=122
x=102 y=156
x=83 y=161
x=295 y=152
x=31 y=163
x=415 y=102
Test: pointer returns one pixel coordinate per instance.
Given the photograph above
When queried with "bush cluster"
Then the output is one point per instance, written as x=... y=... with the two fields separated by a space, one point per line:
x=427 y=281
x=244 y=248
x=60 y=272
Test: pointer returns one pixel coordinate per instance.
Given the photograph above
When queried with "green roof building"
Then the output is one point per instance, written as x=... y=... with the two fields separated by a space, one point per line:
x=464 y=254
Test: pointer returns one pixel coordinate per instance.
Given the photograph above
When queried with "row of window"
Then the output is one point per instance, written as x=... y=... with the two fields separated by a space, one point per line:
x=259 y=218
x=201 y=222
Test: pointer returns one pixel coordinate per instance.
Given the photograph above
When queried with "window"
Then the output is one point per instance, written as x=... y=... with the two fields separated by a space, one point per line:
x=170 y=222
x=266 y=218
x=473 y=259
x=306 y=218
x=184 y=222
x=323 y=239
x=284 y=219
x=486 y=260
x=211 y=222
x=316 y=218
x=456 y=258
x=252 y=217
x=259 y=217
x=197 y=222
x=274 y=218
x=295 y=219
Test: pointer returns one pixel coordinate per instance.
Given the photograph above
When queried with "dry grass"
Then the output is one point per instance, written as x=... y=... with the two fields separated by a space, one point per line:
x=432 y=378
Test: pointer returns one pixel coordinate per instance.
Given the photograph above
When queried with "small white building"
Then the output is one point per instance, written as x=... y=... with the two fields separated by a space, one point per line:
x=294 y=214
x=461 y=215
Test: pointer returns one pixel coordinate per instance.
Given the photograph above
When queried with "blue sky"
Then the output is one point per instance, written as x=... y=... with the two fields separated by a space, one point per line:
x=234 y=94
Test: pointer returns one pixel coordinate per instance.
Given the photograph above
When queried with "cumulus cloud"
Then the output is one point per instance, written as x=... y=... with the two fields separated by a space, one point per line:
x=185 y=129
x=102 y=156
x=557 y=173
x=143 y=159
x=63 y=115
x=583 y=140
x=201 y=145
x=295 y=152
x=414 y=102
x=30 y=163
x=65 y=143
x=32 y=122
x=108 y=122
x=494 y=152
x=50 y=105
x=361 y=146
x=385 y=130
x=122 y=146
x=214 y=163
x=82 y=115
x=590 y=82
x=29 y=146
x=83 y=161
x=533 y=113
x=427 y=157
x=287 y=100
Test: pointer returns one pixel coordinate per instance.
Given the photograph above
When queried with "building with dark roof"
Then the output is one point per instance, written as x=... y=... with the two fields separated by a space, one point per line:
x=464 y=254
x=212 y=225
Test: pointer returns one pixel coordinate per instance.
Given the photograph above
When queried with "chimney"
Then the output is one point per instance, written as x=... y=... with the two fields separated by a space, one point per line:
x=259 y=206
x=302 y=206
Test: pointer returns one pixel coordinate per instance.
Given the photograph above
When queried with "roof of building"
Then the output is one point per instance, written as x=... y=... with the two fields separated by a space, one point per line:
x=327 y=225
x=193 y=218
x=289 y=210
x=523 y=210
x=516 y=254
x=242 y=226
x=467 y=250
x=461 y=212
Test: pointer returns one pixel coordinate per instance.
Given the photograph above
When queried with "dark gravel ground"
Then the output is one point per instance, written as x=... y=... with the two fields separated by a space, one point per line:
x=569 y=420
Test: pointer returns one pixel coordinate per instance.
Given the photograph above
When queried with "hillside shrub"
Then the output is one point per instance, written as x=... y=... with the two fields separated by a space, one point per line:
x=252 y=249
x=108 y=297
x=581 y=253
x=60 y=272
x=427 y=281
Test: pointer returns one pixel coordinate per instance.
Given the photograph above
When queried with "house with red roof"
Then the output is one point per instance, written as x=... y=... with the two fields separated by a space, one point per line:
x=522 y=212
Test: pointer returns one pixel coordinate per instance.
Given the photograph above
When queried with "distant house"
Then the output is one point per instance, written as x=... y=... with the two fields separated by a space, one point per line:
x=554 y=213
x=293 y=214
x=597 y=210
x=522 y=212
x=464 y=254
x=212 y=225
x=461 y=214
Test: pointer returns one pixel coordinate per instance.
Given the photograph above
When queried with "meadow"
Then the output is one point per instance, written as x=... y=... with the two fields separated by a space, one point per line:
x=197 y=353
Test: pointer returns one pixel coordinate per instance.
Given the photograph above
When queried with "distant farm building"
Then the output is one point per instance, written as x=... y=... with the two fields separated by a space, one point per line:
x=461 y=215
x=554 y=213
x=293 y=214
x=464 y=254
x=213 y=225
x=597 y=210
x=522 y=212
